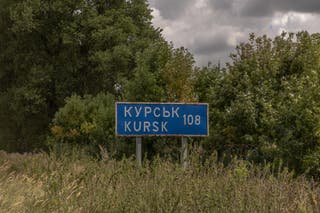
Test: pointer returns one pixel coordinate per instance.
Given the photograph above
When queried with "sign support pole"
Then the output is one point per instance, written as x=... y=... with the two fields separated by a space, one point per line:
x=184 y=152
x=138 y=151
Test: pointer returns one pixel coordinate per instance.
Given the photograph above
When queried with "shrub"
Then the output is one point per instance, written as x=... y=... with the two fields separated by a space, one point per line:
x=264 y=106
x=85 y=120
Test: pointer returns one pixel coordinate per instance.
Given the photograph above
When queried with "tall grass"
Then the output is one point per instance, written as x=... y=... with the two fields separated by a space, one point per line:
x=75 y=182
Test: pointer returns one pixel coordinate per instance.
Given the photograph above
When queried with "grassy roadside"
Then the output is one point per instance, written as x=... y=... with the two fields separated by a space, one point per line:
x=75 y=182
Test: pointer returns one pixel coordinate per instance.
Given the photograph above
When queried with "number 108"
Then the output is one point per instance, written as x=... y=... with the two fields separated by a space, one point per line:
x=191 y=120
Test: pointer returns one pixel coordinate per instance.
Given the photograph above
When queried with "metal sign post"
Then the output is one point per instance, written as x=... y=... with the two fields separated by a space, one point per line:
x=139 y=151
x=184 y=152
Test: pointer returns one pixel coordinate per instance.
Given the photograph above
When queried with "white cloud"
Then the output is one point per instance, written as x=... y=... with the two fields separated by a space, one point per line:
x=294 y=22
x=211 y=29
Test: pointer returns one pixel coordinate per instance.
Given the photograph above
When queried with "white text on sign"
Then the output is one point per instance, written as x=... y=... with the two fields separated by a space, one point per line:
x=161 y=119
x=146 y=126
x=148 y=111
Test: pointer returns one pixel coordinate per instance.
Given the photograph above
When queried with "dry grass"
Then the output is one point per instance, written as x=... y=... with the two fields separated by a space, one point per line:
x=74 y=182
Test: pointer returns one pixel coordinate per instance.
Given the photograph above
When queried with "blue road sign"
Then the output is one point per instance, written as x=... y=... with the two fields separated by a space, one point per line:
x=161 y=119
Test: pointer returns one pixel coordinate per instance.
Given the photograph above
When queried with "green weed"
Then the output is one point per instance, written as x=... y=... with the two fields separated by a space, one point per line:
x=75 y=182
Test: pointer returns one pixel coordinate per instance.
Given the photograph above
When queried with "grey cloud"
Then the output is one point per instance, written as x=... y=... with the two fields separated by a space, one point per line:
x=210 y=45
x=221 y=4
x=171 y=9
x=267 y=8
x=255 y=8
x=205 y=29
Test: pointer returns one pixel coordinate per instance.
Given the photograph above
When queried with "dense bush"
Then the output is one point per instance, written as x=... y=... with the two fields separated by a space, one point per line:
x=264 y=106
x=85 y=121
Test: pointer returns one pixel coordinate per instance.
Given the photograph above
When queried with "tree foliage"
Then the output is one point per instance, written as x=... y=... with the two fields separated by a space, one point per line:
x=50 y=50
x=265 y=104
x=178 y=74
x=63 y=64
x=87 y=121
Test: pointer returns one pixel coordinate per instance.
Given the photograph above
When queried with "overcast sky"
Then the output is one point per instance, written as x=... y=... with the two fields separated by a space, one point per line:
x=211 y=29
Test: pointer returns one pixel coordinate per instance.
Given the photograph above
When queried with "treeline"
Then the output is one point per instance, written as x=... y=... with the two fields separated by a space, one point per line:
x=64 y=63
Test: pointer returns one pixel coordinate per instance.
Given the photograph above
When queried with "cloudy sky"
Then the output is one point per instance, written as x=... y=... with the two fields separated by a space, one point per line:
x=211 y=29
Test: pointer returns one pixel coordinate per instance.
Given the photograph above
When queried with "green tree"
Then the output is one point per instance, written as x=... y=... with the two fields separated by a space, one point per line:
x=162 y=74
x=147 y=83
x=265 y=105
x=50 y=50
x=178 y=75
